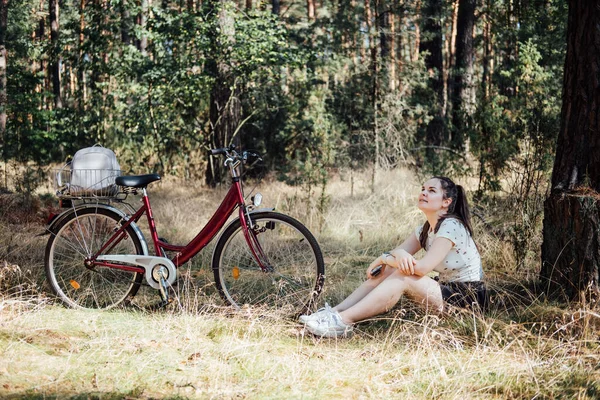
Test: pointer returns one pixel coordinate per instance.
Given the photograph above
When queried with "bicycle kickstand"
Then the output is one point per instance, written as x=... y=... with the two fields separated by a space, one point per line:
x=163 y=288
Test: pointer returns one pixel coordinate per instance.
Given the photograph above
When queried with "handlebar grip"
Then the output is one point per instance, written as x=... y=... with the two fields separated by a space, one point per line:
x=216 y=152
x=224 y=150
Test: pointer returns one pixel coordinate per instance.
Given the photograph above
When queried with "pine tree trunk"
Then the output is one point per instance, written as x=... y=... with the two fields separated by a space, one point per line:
x=431 y=18
x=450 y=61
x=463 y=73
x=391 y=17
x=126 y=23
x=82 y=98
x=571 y=247
x=310 y=7
x=276 y=7
x=415 y=55
x=55 y=52
x=142 y=44
x=3 y=77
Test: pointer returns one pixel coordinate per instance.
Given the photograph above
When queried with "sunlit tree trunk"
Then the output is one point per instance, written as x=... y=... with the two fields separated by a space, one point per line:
x=450 y=59
x=310 y=7
x=55 y=52
x=463 y=73
x=82 y=98
x=417 y=16
x=571 y=247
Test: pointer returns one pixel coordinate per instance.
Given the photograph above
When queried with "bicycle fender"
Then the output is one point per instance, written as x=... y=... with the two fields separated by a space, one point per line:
x=56 y=221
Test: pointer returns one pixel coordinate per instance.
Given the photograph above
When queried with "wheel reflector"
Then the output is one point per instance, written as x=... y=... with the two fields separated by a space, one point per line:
x=75 y=284
x=235 y=272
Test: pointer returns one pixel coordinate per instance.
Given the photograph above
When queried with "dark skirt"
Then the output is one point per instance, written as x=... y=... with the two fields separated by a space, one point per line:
x=465 y=294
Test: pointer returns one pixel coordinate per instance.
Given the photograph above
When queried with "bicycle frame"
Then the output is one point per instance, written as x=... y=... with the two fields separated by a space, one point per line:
x=233 y=199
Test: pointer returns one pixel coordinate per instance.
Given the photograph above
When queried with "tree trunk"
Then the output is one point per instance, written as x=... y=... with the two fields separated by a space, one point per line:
x=276 y=7
x=370 y=17
x=225 y=106
x=571 y=247
x=126 y=23
x=310 y=6
x=487 y=57
x=463 y=73
x=142 y=44
x=55 y=52
x=415 y=55
x=82 y=97
x=431 y=18
x=3 y=78
x=450 y=60
x=391 y=18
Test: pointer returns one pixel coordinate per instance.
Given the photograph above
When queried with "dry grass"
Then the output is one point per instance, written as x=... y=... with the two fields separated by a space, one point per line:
x=524 y=347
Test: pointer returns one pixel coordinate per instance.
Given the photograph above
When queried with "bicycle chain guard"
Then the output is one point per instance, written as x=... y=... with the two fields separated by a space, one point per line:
x=151 y=265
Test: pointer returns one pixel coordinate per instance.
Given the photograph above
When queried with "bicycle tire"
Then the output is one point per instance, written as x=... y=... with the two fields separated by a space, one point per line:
x=298 y=269
x=79 y=235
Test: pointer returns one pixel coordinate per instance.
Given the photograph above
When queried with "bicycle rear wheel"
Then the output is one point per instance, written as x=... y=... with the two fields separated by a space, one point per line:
x=79 y=236
x=296 y=270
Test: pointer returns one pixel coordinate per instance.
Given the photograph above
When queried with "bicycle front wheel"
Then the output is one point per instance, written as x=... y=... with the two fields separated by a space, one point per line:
x=78 y=237
x=295 y=272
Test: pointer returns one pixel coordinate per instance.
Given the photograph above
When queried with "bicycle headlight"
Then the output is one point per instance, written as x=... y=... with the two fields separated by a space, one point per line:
x=257 y=199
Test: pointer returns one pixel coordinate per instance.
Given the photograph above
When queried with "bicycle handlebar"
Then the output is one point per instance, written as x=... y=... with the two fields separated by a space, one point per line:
x=224 y=150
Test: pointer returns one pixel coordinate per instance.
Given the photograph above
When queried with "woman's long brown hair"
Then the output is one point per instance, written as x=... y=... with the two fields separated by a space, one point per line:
x=459 y=208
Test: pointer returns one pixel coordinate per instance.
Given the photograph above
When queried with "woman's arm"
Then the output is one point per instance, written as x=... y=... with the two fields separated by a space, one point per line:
x=434 y=256
x=401 y=257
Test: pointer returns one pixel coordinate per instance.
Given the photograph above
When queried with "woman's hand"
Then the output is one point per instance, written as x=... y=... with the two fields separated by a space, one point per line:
x=377 y=262
x=403 y=261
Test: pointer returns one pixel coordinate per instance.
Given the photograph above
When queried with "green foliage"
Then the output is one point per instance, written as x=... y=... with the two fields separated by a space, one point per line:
x=310 y=98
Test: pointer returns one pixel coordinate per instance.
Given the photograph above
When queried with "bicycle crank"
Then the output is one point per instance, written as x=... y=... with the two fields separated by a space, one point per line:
x=160 y=272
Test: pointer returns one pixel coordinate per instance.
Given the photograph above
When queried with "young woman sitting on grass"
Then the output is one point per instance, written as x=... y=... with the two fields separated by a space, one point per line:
x=447 y=239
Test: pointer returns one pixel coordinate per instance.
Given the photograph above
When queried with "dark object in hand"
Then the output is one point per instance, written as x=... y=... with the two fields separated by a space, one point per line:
x=376 y=271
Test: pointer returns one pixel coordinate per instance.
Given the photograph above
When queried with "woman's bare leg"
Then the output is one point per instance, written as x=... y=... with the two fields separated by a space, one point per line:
x=364 y=289
x=384 y=296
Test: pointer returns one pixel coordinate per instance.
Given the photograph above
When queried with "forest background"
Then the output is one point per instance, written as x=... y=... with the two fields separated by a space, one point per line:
x=461 y=87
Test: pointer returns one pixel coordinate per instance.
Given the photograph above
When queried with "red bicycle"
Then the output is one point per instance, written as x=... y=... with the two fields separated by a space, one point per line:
x=97 y=256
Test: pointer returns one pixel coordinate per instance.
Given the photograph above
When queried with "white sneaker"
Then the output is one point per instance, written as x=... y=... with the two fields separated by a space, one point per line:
x=330 y=326
x=317 y=315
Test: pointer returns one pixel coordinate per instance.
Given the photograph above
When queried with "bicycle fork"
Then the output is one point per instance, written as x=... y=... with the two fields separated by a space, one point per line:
x=253 y=243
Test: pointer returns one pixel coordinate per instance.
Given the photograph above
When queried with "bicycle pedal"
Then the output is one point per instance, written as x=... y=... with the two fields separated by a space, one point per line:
x=160 y=305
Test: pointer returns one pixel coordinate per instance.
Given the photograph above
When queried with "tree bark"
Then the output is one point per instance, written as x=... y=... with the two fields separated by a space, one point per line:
x=126 y=23
x=415 y=55
x=3 y=75
x=571 y=247
x=142 y=43
x=463 y=73
x=55 y=52
x=487 y=57
x=310 y=7
x=391 y=18
x=276 y=7
x=431 y=45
